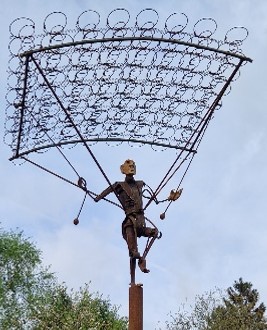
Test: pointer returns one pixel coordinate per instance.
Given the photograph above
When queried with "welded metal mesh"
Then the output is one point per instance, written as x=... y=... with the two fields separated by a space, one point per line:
x=122 y=80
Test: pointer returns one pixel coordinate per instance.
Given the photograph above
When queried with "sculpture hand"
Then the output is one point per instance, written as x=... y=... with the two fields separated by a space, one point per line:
x=174 y=195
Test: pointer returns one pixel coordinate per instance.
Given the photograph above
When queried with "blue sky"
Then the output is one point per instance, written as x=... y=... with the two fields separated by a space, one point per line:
x=213 y=235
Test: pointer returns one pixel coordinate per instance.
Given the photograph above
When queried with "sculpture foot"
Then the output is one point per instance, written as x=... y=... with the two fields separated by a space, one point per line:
x=142 y=265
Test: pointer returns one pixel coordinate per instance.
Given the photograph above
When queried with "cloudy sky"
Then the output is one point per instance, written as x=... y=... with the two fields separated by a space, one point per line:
x=213 y=235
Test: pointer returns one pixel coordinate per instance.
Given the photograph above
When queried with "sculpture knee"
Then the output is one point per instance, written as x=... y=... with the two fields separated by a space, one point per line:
x=150 y=232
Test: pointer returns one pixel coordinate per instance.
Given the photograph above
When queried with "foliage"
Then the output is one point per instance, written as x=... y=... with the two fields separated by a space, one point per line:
x=237 y=309
x=23 y=282
x=194 y=317
x=240 y=310
x=31 y=298
x=79 y=310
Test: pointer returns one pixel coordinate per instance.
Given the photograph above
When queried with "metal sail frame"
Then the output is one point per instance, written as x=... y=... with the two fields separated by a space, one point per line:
x=139 y=47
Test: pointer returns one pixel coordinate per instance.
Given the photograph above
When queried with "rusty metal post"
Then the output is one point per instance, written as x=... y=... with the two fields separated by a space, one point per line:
x=136 y=307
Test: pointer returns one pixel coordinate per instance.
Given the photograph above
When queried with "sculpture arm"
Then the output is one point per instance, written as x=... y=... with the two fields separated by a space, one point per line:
x=150 y=192
x=105 y=192
x=173 y=196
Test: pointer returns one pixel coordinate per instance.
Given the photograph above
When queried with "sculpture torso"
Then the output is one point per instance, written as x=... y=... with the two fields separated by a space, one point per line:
x=130 y=195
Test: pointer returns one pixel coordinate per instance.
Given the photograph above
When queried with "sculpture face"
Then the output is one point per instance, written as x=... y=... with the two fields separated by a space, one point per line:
x=128 y=167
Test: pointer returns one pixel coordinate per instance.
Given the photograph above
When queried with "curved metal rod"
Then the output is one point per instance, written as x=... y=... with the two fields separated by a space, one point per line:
x=197 y=134
x=172 y=41
x=59 y=144
x=69 y=118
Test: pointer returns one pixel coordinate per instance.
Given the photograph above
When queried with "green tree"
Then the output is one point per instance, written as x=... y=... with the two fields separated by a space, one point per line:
x=23 y=282
x=32 y=299
x=236 y=309
x=240 y=310
x=194 y=317
x=79 y=310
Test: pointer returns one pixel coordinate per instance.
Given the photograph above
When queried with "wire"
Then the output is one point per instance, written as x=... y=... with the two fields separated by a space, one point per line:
x=74 y=126
x=201 y=129
x=90 y=193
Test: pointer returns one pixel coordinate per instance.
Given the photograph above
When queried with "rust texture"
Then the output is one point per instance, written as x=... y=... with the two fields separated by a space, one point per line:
x=136 y=307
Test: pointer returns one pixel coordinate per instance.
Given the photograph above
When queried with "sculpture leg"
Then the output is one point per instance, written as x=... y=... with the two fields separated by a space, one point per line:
x=132 y=269
x=131 y=239
x=142 y=265
x=147 y=232
x=150 y=232
x=129 y=235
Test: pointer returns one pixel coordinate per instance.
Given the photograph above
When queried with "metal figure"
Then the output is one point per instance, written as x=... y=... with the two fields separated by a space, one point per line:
x=130 y=193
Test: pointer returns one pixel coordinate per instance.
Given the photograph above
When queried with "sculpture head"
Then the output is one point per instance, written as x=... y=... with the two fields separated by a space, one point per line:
x=128 y=167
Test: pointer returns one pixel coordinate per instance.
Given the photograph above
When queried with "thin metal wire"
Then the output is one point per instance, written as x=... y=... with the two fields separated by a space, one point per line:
x=90 y=193
x=122 y=82
x=74 y=126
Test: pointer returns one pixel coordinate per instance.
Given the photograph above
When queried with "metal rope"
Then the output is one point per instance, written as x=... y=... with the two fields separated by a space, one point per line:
x=74 y=126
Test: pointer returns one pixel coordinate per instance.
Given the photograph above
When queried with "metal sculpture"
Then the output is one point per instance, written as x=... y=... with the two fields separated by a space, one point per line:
x=130 y=194
x=120 y=82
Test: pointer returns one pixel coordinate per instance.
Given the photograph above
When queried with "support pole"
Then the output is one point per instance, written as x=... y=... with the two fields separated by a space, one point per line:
x=136 y=307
